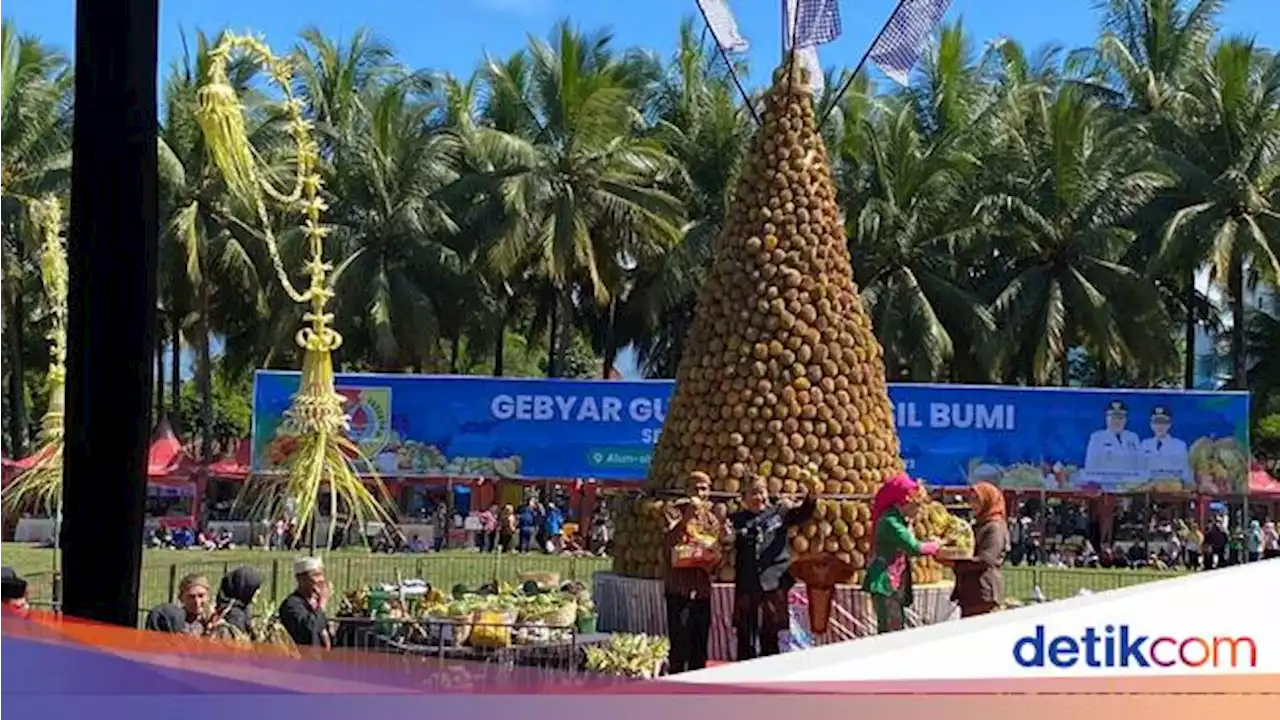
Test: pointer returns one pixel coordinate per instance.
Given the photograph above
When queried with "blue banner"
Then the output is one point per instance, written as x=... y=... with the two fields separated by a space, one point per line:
x=952 y=435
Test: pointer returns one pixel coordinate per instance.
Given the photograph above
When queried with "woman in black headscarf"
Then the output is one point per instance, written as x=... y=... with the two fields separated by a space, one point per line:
x=235 y=598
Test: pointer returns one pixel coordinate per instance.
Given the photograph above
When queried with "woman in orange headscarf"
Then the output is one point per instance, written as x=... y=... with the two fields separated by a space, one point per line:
x=979 y=584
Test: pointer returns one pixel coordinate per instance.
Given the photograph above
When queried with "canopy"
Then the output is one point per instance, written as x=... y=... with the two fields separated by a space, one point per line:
x=234 y=466
x=1261 y=482
x=166 y=460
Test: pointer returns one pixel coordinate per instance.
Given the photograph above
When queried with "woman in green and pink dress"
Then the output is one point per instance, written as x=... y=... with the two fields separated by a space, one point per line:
x=893 y=544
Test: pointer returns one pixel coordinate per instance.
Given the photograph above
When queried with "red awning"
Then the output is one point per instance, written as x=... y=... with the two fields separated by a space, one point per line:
x=236 y=466
x=166 y=458
x=1261 y=482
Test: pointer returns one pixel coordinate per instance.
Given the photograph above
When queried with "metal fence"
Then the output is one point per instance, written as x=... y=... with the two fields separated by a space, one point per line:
x=558 y=648
x=1058 y=583
x=351 y=571
x=348 y=571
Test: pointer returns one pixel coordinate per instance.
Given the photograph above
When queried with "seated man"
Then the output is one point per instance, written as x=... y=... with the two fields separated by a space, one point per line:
x=303 y=613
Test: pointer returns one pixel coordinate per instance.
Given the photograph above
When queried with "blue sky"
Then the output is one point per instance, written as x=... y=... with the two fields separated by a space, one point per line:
x=453 y=35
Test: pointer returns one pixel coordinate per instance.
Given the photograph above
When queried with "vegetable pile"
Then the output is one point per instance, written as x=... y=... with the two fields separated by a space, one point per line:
x=494 y=616
x=637 y=656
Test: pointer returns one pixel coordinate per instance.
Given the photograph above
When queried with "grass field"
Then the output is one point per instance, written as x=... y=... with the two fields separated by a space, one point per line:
x=162 y=569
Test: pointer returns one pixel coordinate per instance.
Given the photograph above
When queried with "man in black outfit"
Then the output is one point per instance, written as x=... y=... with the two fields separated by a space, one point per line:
x=1215 y=545
x=302 y=613
x=688 y=589
x=763 y=557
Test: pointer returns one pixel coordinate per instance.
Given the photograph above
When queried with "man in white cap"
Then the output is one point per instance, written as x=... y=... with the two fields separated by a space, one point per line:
x=302 y=613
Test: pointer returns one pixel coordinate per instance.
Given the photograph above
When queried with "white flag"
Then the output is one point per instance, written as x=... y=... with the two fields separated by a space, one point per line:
x=806 y=52
x=722 y=25
x=808 y=59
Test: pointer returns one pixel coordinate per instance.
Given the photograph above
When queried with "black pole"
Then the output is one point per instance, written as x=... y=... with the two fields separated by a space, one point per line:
x=844 y=88
x=111 y=325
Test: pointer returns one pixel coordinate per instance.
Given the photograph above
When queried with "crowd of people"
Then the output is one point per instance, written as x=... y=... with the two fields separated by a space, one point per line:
x=185 y=538
x=534 y=527
x=1168 y=545
x=763 y=577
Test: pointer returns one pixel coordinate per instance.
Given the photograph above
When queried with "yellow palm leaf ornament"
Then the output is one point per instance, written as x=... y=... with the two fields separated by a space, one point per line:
x=324 y=456
x=39 y=487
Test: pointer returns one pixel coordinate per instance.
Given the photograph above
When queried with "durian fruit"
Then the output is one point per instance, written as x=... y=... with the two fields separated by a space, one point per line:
x=934 y=522
x=840 y=527
x=638 y=533
x=781 y=371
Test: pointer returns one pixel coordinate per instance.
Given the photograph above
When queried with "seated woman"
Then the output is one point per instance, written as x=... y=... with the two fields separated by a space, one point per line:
x=235 y=598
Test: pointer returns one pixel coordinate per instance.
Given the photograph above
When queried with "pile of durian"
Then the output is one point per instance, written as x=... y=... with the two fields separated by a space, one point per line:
x=781 y=369
x=782 y=376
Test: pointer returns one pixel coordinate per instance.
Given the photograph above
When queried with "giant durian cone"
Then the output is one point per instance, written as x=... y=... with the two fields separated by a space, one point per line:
x=781 y=371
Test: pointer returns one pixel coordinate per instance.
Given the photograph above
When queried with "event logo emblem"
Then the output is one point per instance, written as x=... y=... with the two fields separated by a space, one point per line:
x=369 y=409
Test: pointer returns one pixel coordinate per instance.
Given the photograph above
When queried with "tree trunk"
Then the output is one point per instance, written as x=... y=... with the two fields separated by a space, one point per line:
x=1064 y=364
x=454 y=352
x=554 y=353
x=17 y=393
x=206 y=378
x=610 y=350
x=1189 y=335
x=500 y=344
x=1104 y=372
x=1239 y=355
x=160 y=336
x=175 y=372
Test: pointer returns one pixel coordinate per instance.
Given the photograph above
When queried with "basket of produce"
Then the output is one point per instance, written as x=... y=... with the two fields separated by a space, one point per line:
x=957 y=538
x=449 y=624
x=695 y=555
x=565 y=614
x=492 y=629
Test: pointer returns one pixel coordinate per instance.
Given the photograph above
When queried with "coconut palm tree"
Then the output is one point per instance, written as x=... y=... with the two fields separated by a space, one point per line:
x=586 y=168
x=701 y=123
x=1061 y=279
x=35 y=121
x=906 y=233
x=1147 y=51
x=1143 y=62
x=209 y=261
x=1227 y=157
x=397 y=281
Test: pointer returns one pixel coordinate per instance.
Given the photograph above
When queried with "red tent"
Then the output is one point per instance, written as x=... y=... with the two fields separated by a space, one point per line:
x=235 y=466
x=167 y=462
x=1261 y=482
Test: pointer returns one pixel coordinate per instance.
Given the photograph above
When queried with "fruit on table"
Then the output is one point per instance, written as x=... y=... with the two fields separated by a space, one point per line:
x=781 y=369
